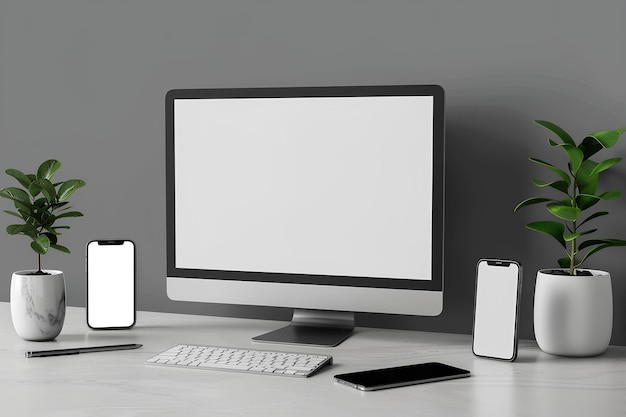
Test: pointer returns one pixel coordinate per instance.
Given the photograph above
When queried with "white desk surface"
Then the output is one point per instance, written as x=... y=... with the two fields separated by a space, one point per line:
x=119 y=384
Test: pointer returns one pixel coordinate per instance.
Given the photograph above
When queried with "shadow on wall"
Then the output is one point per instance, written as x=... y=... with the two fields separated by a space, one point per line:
x=486 y=172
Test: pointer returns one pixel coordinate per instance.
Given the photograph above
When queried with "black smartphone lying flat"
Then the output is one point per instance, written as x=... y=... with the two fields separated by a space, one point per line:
x=400 y=376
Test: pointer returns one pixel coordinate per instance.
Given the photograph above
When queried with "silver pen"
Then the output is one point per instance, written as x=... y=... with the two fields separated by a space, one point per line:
x=76 y=351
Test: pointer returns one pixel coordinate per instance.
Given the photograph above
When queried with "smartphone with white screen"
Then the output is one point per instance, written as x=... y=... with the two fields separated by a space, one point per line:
x=400 y=376
x=110 y=284
x=496 y=309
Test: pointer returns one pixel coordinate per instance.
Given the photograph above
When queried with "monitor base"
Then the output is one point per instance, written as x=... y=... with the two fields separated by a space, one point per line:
x=316 y=328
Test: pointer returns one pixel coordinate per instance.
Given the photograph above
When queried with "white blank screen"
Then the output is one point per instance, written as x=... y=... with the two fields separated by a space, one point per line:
x=319 y=185
x=496 y=309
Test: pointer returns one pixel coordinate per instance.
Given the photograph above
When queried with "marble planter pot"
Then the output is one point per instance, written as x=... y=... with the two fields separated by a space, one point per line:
x=573 y=315
x=38 y=304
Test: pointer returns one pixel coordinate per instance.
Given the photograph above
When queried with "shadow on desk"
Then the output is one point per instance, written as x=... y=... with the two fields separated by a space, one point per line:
x=529 y=352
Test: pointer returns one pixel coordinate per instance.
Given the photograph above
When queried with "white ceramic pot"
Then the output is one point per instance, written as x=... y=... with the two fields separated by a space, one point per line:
x=573 y=315
x=38 y=304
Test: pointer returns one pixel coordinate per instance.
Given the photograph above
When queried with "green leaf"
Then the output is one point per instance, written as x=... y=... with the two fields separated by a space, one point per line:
x=565 y=137
x=45 y=187
x=41 y=244
x=531 y=201
x=57 y=205
x=587 y=183
x=60 y=248
x=33 y=221
x=607 y=138
x=585 y=201
x=564 y=176
x=554 y=229
x=47 y=169
x=15 y=194
x=558 y=185
x=571 y=236
x=588 y=232
x=70 y=214
x=46 y=218
x=12 y=213
x=68 y=188
x=610 y=195
x=51 y=232
x=19 y=176
x=602 y=244
x=594 y=142
x=594 y=242
x=604 y=165
x=52 y=237
x=24 y=208
x=22 y=229
x=564 y=212
x=14 y=229
x=575 y=156
x=35 y=190
x=564 y=263
x=593 y=216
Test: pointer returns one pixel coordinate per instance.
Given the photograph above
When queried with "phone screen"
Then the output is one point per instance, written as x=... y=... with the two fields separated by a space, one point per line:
x=401 y=376
x=110 y=284
x=498 y=285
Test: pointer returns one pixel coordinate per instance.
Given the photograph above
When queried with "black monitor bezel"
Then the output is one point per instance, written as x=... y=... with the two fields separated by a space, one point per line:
x=437 y=264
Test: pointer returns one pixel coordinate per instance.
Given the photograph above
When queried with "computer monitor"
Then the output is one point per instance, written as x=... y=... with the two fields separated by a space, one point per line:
x=327 y=200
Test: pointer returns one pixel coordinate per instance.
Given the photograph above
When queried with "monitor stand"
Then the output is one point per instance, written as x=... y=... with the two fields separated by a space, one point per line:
x=313 y=327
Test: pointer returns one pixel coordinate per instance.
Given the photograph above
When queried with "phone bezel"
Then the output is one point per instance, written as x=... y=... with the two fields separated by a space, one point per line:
x=500 y=262
x=105 y=242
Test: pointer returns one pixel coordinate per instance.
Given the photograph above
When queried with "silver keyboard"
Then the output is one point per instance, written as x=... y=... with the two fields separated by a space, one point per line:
x=241 y=360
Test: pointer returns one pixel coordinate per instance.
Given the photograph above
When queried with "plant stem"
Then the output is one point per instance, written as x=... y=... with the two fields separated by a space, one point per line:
x=39 y=271
x=572 y=258
x=572 y=266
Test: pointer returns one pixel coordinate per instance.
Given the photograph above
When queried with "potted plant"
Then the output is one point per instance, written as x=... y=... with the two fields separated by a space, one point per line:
x=573 y=308
x=38 y=296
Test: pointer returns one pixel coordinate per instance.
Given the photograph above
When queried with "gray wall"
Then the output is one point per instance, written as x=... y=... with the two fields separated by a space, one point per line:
x=84 y=81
